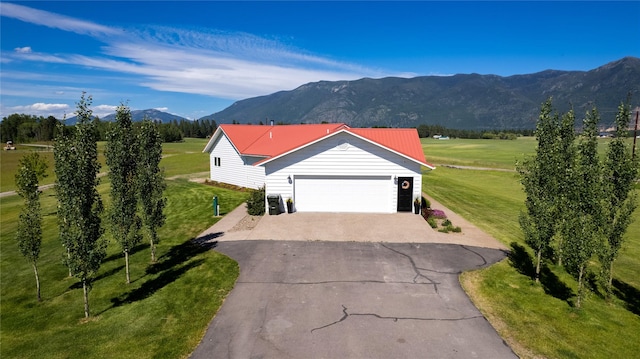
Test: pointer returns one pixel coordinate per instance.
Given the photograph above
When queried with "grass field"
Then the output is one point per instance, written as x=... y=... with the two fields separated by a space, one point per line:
x=536 y=320
x=179 y=158
x=9 y=166
x=478 y=153
x=164 y=311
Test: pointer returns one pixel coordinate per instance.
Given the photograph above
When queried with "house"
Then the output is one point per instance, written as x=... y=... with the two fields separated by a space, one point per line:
x=322 y=167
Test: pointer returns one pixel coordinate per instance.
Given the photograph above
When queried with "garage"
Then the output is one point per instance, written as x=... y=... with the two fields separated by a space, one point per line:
x=368 y=194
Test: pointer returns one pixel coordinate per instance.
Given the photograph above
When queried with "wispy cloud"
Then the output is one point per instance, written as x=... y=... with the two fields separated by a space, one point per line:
x=52 y=20
x=202 y=61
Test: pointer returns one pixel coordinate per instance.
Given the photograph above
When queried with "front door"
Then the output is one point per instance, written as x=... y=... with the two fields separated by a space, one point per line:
x=405 y=194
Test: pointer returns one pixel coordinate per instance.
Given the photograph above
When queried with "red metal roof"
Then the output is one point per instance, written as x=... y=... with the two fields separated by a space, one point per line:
x=273 y=141
x=405 y=141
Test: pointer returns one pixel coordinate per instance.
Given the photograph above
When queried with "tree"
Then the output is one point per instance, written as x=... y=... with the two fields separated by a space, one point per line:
x=620 y=171
x=582 y=225
x=566 y=166
x=540 y=182
x=47 y=128
x=121 y=154
x=29 y=235
x=150 y=181
x=79 y=204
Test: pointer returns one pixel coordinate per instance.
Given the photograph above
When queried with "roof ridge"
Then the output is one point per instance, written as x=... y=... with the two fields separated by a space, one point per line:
x=257 y=137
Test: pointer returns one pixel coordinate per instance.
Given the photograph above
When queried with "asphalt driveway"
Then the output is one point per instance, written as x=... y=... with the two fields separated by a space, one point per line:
x=318 y=299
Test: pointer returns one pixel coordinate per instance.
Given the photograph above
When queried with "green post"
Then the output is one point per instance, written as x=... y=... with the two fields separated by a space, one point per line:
x=216 y=206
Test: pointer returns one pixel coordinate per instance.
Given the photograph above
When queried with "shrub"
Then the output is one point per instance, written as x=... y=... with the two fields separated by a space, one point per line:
x=436 y=213
x=456 y=229
x=255 y=203
x=425 y=203
x=432 y=222
x=446 y=223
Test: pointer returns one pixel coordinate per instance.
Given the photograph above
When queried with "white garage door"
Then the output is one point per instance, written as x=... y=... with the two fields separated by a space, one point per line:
x=370 y=194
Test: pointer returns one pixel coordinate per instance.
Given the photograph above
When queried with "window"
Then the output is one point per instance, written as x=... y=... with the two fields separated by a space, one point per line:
x=216 y=161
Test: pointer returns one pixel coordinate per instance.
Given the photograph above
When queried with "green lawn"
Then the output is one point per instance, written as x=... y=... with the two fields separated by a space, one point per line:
x=478 y=153
x=536 y=320
x=9 y=167
x=163 y=313
x=187 y=154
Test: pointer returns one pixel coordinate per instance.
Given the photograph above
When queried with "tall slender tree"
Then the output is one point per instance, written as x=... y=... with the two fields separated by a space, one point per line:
x=582 y=228
x=122 y=158
x=64 y=157
x=29 y=235
x=620 y=172
x=79 y=204
x=151 y=183
x=538 y=176
x=565 y=170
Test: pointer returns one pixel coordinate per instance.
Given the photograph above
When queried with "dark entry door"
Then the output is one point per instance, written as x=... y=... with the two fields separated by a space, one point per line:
x=405 y=193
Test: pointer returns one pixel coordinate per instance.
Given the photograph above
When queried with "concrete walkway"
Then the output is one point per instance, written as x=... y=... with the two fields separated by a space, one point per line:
x=347 y=227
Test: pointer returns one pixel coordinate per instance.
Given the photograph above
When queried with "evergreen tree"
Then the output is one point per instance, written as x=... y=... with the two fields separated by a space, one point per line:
x=29 y=233
x=620 y=171
x=151 y=183
x=79 y=204
x=122 y=158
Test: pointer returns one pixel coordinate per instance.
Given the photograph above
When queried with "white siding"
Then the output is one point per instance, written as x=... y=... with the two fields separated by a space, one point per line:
x=233 y=168
x=341 y=155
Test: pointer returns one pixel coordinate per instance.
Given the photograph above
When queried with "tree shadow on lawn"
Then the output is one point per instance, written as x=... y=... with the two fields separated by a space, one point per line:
x=120 y=254
x=169 y=268
x=78 y=284
x=551 y=283
x=149 y=287
x=629 y=294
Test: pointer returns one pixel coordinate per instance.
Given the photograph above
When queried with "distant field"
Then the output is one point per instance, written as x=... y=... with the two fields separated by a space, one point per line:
x=478 y=153
x=533 y=321
x=180 y=158
x=485 y=153
x=185 y=157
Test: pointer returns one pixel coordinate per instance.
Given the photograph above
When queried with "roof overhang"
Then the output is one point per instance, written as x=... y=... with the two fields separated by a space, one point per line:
x=217 y=134
x=346 y=131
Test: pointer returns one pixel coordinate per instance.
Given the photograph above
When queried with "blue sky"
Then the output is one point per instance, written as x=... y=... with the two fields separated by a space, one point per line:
x=197 y=58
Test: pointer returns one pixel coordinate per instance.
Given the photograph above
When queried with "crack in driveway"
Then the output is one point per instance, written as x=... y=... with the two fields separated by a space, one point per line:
x=416 y=269
x=375 y=301
x=484 y=260
x=346 y=315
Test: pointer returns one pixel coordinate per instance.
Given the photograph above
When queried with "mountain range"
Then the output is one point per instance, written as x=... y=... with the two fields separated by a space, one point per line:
x=137 y=116
x=463 y=101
